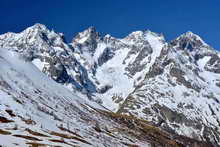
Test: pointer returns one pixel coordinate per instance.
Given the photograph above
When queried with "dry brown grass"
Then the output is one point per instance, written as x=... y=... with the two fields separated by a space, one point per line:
x=3 y=132
x=28 y=121
x=5 y=120
x=61 y=141
x=27 y=137
x=35 y=144
x=142 y=129
x=66 y=136
x=81 y=140
x=69 y=131
x=130 y=145
x=109 y=134
x=56 y=140
x=62 y=135
x=36 y=133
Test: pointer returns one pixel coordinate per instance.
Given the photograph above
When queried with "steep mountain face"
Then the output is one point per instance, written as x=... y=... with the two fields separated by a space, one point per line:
x=180 y=92
x=174 y=85
x=116 y=66
x=50 y=53
x=36 y=111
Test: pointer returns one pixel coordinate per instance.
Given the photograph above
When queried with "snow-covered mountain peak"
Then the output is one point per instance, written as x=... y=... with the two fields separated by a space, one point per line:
x=46 y=49
x=37 y=27
x=85 y=36
x=42 y=32
x=193 y=37
x=142 y=36
x=108 y=37
x=190 y=33
x=37 y=37
x=190 y=41
x=86 y=41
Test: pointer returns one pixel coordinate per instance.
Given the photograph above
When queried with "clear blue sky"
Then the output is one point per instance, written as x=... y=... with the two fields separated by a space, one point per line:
x=116 y=17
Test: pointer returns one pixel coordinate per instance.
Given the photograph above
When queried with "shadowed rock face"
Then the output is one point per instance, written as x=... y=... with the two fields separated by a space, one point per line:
x=87 y=40
x=105 y=56
x=137 y=65
x=213 y=65
x=174 y=85
x=188 y=41
x=55 y=57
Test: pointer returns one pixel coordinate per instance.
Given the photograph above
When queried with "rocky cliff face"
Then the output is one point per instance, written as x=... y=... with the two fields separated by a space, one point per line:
x=116 y=66
x=180 y=92
x=51 y=54
x=174 y=85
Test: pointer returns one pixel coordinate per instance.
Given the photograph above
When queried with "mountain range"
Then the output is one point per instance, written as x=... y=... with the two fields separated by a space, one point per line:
x=140 y=90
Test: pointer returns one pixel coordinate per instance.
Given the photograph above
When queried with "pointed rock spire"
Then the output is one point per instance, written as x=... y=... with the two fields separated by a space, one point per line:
x=89 y=34
x=87 y=40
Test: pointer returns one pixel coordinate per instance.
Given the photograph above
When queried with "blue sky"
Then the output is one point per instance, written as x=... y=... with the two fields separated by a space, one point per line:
x=116 y=17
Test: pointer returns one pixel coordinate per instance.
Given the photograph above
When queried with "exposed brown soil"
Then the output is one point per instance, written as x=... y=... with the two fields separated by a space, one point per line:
x=27 y=137
x=5 y=120
x=69 y=137
x=35 y=144
x=69 y=131
x=36 y=133
x=3 y=132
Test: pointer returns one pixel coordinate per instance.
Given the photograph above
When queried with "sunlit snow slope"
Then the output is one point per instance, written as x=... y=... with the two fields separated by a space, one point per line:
x=35 y=110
